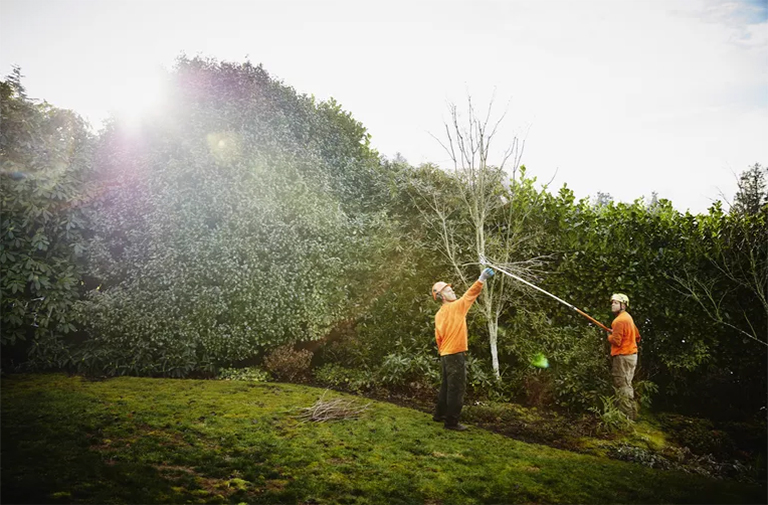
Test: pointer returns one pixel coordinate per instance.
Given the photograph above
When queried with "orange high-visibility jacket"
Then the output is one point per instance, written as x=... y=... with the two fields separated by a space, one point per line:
x=451 y=322
x=625 y=335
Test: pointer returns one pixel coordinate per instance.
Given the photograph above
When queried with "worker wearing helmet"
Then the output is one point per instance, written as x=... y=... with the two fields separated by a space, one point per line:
x=451 y=337
x=623 y=339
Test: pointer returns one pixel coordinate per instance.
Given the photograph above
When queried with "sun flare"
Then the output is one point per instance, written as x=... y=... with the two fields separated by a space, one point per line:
x=138 y=97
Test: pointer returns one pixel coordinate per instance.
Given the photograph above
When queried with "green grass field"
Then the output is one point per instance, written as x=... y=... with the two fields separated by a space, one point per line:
x=139 y=440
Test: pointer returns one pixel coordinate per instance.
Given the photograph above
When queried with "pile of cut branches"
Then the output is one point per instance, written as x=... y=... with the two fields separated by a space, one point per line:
x=329 y=410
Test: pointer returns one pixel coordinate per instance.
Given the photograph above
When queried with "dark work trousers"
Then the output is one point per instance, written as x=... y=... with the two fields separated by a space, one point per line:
x=451 y=397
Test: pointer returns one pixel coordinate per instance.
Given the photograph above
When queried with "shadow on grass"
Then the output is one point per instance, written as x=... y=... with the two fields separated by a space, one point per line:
x=132 y=440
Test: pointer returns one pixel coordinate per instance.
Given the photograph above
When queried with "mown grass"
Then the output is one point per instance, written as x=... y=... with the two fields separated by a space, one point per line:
x=137 y=440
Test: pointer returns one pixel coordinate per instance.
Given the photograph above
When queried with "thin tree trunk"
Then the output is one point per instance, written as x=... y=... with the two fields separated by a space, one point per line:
x=493 y=333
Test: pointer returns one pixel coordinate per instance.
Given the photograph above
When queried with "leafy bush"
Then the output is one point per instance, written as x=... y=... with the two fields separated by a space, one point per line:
x=699 y=435
x=578 y=364
x=92 y=359
x=45 y=154
x=248 y=374
x=341 y=346
x=48 y=353
x=479 y=376
x=396 y=369
x=401 y=369
x=288 y=364
x=644 y=390
x=611 y=419
x=232 y=224
x=405 y=309
x=338 y=376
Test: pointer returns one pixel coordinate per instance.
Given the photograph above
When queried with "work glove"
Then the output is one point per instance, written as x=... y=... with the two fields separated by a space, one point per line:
x=486 y=274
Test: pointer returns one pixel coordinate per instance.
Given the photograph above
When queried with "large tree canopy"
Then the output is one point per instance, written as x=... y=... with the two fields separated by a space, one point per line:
x=233 y=222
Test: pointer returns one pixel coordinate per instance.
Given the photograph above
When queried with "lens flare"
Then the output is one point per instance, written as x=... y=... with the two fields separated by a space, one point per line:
x=138 y=96
x=224 y=146
x=539 y=361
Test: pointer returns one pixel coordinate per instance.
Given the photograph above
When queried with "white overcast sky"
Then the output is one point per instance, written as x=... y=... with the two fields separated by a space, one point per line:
x=623 y=97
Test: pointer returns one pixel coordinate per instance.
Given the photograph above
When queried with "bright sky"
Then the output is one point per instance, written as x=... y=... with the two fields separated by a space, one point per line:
x=622 y=97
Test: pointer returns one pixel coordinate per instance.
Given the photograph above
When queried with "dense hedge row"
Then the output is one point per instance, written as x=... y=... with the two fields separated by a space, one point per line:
x=244 y=217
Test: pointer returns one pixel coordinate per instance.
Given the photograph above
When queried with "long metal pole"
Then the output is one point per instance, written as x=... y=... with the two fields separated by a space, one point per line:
x=571 y=306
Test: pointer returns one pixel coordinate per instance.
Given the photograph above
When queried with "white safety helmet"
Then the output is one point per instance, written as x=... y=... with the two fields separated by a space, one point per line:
x=621 y=298
x=438 y=287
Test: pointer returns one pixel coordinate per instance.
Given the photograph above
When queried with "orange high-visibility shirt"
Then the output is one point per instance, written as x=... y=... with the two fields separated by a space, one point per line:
x=625 y=335
x=451 y=322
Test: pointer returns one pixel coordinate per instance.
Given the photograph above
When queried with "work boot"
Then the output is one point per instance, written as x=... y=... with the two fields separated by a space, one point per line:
x=438 y=419
x=455 y=427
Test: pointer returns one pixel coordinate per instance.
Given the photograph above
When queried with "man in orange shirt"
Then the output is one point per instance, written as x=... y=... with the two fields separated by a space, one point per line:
x=623 y=339
x=451 y=337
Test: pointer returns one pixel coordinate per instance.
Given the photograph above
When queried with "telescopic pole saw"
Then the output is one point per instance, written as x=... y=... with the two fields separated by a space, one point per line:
x=483 y=261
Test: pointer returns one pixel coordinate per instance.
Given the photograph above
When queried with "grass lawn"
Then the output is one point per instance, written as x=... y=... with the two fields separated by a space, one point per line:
x=139 y=440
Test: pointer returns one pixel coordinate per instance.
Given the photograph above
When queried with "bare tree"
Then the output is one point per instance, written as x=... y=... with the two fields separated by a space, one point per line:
x=484 y=191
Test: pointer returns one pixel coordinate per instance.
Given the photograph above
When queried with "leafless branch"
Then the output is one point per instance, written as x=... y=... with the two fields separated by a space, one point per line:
x=704 y=295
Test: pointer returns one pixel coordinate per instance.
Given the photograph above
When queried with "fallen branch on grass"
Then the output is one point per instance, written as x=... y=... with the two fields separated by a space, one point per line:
x=331 y=410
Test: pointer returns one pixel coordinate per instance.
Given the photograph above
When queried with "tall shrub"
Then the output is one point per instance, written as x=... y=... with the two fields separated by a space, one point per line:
x=227 y=225
x=45 y=156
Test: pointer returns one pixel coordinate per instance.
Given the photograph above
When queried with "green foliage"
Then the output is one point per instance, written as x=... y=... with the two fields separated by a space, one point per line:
x=723 y=282
x=699 y=435
x=627 y=248
x=644 y=250
x=288 y=364
x=343 y=346
x=399 y=310
x=244 y=217
x=578 y=363
x=45 y=159
x=752 y=195
x=480 y=377
x=247 y=374
x=590 y=251
x=353 y=379
x=47 y=352
x=402 y=368
x=223 y=229
x=611 y=418
x=644 y=391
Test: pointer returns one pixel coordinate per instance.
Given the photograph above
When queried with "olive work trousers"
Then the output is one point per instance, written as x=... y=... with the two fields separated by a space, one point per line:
x=622 y=371
x=452 y=387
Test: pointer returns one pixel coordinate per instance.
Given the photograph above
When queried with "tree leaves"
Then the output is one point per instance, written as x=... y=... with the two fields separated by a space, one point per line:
x=40 y=231
x=231 y=233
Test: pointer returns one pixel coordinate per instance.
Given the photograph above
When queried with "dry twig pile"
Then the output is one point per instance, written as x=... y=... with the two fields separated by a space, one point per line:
x=331 y=410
